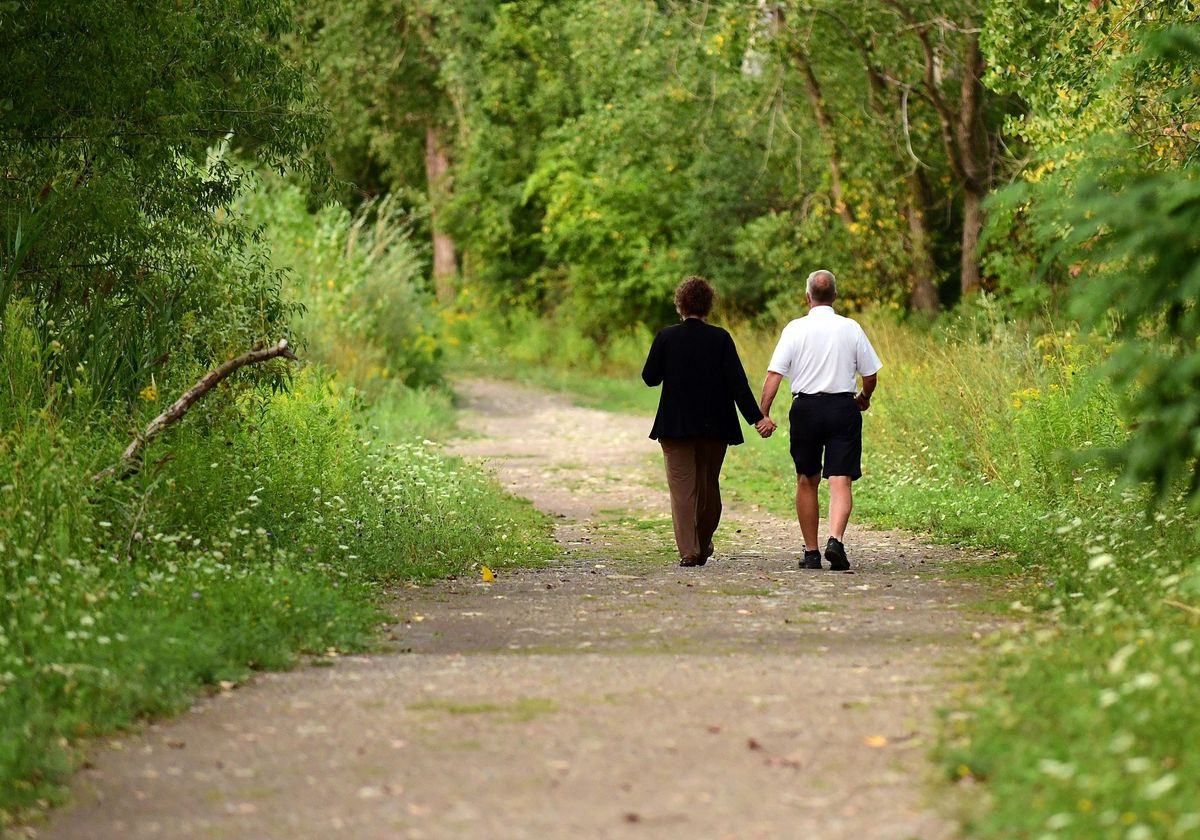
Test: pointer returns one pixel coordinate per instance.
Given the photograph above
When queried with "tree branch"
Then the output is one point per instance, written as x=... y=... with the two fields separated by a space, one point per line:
x=932 y=91
x=127 y=465
x=876 y=83
x=825 y=123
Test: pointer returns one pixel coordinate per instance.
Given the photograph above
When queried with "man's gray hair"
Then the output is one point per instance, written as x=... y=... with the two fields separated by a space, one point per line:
x=821 y=286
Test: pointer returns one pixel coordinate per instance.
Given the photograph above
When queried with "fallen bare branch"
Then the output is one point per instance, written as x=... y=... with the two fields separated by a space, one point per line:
x=175 y=411
x=1187 y=608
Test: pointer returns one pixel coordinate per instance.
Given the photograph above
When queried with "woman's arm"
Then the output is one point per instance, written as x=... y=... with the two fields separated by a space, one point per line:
x=739 y=386
x=655 y=368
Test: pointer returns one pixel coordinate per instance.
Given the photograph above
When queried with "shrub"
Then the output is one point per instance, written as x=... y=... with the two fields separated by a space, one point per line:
x=367 y=312
x=261 y=526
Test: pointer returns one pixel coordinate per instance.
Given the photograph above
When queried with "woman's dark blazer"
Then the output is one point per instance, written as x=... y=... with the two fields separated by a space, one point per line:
x=702 y=379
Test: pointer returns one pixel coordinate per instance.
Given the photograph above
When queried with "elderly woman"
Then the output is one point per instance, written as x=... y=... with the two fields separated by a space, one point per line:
x=702 y=380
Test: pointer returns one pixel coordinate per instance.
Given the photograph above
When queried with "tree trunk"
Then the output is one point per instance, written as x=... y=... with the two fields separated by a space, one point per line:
x=445 y=259
x=973 y=144
x=825 y=124
x=972 y=227
x=924 y=296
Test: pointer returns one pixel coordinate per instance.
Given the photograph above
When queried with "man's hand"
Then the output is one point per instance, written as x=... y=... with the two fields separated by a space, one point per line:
x=869 y=383
x=765 y=427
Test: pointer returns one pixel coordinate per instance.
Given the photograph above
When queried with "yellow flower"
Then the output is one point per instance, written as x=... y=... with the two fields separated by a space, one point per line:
x=150 y=392
x=1016 y=402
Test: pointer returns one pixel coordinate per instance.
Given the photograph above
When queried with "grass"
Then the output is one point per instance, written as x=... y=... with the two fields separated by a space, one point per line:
x=264 y=526
x=521 y=710
x=251 y=545
x=987 y=434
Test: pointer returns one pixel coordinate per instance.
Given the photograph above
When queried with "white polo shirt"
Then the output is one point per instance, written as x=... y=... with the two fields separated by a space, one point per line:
x=821 y=352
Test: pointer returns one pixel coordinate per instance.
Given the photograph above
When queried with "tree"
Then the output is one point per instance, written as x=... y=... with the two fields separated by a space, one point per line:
x=395 y=74
x=930 y=58
x=118 y=129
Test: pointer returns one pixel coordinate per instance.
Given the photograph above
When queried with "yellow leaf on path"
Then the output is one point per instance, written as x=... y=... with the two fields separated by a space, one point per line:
x=876 y=741
x=487 y=574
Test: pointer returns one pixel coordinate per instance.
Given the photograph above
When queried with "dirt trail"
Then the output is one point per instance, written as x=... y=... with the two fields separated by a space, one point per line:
x=613 y=695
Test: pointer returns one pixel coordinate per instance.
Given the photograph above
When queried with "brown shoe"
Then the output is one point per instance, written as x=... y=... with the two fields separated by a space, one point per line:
x=693 y=561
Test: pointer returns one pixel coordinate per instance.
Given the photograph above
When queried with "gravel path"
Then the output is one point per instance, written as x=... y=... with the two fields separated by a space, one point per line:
x=613 y=695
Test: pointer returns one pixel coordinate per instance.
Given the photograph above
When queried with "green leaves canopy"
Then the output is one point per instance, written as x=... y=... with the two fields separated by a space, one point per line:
x=115 y=126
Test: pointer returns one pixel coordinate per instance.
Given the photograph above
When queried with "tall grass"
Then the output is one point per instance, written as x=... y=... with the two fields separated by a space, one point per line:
x=990 y=433
x=365 y=312
x=265 y=525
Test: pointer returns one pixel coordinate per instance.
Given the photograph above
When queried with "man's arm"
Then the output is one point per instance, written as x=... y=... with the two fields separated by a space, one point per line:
x=868 y=387
x=770 y=389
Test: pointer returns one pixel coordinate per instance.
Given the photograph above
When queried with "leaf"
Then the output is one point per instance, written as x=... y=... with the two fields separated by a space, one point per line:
x=487 y=574
x=876 y=741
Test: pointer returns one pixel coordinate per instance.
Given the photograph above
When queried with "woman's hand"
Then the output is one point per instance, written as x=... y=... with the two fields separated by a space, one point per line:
x=765 y=427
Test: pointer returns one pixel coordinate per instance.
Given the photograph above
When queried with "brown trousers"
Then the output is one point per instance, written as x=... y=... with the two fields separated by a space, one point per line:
x=693 y=476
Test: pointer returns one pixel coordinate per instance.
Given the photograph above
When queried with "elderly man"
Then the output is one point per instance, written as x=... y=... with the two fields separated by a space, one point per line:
x=819 y=355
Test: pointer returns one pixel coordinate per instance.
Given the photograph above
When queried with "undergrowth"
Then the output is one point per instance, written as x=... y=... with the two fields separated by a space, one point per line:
x=266 y=525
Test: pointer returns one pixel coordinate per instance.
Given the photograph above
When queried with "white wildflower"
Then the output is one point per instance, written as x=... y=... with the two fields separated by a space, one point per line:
x=1160 y=786
x=1117 y=664
x=1057 y=769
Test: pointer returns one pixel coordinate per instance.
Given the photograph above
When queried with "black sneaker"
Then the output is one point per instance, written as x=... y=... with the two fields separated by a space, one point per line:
x=835 y=553
x=812 y=560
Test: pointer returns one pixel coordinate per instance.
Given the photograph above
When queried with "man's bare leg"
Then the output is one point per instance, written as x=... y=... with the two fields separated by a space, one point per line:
x=807 y=510
x=841 y=502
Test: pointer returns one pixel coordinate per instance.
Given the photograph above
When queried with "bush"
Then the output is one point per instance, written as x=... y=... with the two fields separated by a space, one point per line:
x=259 y=527
x=365 y=308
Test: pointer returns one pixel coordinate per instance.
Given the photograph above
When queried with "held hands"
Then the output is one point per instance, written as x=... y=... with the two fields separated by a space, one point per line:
x=765 y=427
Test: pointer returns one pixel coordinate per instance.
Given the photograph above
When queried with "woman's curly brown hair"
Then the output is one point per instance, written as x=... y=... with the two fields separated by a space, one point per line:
x=694 y=297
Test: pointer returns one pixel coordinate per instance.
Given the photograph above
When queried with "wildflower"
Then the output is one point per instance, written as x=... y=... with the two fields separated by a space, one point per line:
x=150 y=392
x=1161 y=786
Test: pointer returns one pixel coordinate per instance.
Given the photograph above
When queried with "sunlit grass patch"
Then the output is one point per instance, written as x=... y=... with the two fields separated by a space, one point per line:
x=521 y=710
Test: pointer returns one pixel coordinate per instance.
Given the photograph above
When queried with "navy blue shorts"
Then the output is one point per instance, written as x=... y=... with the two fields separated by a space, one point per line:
x=826 y=427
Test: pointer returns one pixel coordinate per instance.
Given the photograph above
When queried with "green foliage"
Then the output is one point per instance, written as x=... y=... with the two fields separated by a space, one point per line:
x=599 y=171
x=1092 y=101
x=357 y=286
x=1138 y=232
x=388 y=71
x=112 y=209
x=260 y=527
